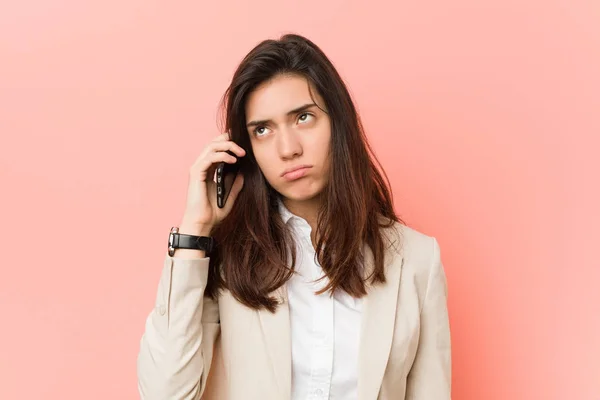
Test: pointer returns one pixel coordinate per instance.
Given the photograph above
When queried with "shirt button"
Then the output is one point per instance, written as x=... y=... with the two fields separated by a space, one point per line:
x=161 y=310
x=319 y=392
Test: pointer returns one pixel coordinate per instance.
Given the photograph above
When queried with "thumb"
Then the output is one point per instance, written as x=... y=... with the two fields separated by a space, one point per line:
x=236 y=188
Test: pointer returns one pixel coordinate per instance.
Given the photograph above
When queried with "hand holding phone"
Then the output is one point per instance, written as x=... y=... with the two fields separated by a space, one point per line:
x=201 y=210
x=226 y=174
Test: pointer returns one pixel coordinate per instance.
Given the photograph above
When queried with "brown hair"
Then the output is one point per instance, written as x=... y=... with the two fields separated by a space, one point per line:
x=253 y=244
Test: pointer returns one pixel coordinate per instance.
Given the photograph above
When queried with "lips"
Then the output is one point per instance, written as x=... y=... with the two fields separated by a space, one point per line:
x=296 y=168
x=297 y=172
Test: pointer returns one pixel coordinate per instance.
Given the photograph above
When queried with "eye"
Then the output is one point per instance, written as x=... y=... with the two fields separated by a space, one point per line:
x=305 y=117
x=260 y=130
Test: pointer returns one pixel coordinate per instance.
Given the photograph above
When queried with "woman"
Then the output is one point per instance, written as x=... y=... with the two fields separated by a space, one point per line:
x=316 y=289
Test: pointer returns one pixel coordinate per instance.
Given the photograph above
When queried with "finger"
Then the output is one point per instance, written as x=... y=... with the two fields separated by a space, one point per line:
x=206 y=163
x=222 y=156
x=222 y=137
x=228 y=145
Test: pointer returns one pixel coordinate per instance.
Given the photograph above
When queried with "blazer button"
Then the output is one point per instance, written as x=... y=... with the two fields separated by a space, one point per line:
x=161 y=310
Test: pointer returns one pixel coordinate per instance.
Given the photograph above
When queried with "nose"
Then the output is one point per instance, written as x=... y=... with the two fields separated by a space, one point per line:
x=288 y=144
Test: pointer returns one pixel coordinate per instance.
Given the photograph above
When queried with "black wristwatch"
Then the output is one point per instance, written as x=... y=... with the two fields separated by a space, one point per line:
x=182 y=241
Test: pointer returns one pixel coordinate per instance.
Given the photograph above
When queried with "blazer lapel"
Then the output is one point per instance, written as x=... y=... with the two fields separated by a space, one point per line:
x=377 y=325
x=277 y=335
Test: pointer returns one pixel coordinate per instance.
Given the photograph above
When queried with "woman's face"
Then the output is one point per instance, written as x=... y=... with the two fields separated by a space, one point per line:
x=288 y=131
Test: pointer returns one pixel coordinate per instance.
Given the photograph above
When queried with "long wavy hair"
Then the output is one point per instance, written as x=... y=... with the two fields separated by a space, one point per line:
x=254 y=246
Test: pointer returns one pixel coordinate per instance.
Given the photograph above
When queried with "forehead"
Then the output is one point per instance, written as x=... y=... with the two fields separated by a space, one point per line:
x=274 y=98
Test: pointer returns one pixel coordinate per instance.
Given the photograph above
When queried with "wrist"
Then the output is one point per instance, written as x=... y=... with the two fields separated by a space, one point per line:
x=195 y=229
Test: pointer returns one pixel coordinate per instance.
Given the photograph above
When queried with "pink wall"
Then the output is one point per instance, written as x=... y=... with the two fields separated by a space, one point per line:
x=485 y=114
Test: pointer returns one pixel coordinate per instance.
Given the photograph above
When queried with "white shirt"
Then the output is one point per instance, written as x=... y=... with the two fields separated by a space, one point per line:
x=325 y=331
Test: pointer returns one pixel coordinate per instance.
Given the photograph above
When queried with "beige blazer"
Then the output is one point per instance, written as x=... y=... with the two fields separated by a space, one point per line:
x=197 y=348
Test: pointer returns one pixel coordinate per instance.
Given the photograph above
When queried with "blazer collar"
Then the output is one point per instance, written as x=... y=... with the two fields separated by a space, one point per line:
x=377 y=324
x=377 y=328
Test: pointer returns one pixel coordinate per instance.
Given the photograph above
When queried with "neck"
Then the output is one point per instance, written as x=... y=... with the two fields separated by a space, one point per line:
x=306 y=209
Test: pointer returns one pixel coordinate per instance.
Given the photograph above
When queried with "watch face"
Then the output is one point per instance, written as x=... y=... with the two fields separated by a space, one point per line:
x=171 y=236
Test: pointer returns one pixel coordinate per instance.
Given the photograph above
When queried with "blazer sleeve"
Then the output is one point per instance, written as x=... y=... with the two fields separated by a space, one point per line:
x=430 y=374
x=176 y=348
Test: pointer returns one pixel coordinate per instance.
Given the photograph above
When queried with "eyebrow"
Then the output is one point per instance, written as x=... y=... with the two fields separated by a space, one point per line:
x=294 y=111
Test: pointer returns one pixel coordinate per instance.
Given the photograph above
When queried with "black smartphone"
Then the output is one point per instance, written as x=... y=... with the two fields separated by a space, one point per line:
x=225 y=176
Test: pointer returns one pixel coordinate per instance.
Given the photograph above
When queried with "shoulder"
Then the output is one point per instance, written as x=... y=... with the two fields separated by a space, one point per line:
x=417 y=253
x=418 y=247
x=412 y=245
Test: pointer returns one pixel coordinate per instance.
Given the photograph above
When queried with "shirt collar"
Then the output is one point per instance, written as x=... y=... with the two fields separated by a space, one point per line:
x=283 y=211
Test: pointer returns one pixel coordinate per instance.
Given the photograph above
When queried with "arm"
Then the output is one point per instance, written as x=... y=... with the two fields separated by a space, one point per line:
x=430 y=375
x=176 y=350
x=177 y=346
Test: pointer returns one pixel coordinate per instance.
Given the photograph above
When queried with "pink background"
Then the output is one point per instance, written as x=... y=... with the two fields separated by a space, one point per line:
x=485 y=115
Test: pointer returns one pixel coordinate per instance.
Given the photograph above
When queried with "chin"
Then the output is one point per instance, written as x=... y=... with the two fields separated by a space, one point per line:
x=301 y=193
x=299 y=197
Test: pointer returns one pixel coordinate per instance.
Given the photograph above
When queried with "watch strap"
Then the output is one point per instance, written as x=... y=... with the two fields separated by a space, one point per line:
x=183 y=241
